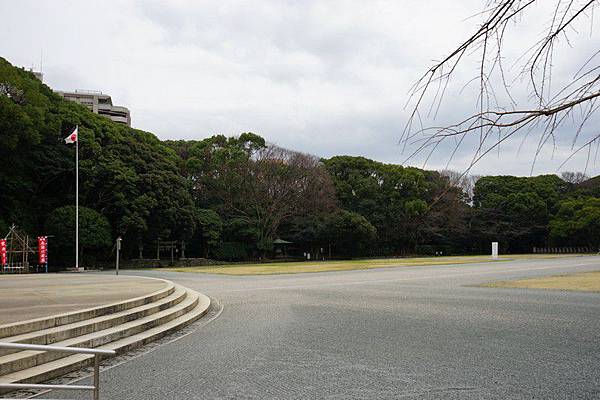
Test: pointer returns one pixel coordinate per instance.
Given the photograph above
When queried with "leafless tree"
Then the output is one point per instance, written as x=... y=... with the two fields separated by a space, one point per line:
x=574 y=177
x=270 y=186
x=282 y=184
x=462 y=181
x=501 y=112
x=259 y=184
x=13 y=93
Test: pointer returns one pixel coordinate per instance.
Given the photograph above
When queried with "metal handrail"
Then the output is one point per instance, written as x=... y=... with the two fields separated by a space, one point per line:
x=97 y=353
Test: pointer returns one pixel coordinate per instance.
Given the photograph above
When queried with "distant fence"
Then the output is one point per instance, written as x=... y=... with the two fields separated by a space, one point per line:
x=156 y=263
x=564 y=250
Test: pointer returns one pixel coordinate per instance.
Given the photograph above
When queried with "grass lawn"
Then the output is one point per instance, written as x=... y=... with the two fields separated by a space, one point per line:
x=325 y=266
x=581 y=281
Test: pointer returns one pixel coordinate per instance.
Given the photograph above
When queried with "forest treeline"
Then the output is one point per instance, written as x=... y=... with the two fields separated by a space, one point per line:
x=239 y=198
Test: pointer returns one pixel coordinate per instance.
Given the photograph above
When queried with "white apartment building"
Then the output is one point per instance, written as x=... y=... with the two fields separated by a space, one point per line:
x=99 y=103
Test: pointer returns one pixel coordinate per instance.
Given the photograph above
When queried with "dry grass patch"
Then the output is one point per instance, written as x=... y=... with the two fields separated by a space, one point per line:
x=582 y=281
x=326 y=266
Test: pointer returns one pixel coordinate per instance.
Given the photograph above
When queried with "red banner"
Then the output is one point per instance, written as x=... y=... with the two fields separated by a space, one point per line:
x=3 y=252
x=42 y=249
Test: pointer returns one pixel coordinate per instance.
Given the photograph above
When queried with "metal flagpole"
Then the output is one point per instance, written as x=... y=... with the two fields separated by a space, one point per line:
x=77 y=199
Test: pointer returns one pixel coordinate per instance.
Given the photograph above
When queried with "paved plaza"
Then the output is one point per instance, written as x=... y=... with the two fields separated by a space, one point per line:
x=24 y=297
x=413 y=332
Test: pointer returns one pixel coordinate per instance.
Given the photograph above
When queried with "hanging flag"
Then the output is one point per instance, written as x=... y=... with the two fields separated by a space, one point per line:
x=2 y=252
x=72 y=138
x=42 y=249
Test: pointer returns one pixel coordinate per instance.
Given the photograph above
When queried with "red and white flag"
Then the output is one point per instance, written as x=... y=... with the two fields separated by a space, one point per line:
x=72 y=138
x=42 y=249
x=3 y=252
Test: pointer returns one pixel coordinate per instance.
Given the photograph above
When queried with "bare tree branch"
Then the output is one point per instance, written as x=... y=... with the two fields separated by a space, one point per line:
x=546 y=110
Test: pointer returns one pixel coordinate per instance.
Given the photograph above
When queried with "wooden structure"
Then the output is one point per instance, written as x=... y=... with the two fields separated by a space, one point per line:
x=20 y=249
x=280 y=246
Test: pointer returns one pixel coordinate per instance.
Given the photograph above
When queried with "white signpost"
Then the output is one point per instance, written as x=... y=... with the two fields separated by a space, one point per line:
x=494 y=250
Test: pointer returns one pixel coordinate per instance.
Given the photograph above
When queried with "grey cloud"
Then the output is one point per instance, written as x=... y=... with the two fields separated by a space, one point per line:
x=321 y=77
x=266 y=36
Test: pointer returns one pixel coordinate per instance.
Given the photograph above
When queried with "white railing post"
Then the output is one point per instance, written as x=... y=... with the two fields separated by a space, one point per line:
x=96 y=377
x=97 y=353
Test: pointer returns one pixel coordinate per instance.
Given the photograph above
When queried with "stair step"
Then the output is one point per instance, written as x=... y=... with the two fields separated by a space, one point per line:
x=30 y=358
x=37 y=324
x=63 y=332
x=71 y=363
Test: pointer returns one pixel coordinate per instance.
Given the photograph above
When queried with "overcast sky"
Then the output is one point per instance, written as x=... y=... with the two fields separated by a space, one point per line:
x=324 y=77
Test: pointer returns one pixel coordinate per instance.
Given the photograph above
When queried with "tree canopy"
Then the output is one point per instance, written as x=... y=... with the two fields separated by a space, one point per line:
x=232 y=197
x=127 y=175
x=94 y=232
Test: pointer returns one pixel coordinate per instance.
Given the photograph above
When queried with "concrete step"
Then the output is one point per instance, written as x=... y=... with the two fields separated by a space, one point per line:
x=68 y=331
x=37 y=324
x=71 y=363
x=26 y=359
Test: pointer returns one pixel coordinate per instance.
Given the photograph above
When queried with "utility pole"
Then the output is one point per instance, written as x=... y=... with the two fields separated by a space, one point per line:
x=118 y=251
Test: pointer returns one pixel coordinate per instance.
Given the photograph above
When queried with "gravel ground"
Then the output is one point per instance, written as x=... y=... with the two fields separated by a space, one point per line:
x=411 y=332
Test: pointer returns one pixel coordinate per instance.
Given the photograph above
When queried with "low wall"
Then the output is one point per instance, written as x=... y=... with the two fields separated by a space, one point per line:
x=182 y=262
x=564 y=250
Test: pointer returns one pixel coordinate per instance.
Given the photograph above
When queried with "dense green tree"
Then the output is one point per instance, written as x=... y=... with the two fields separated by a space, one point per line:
x=515 y=210
x=3 y=228
x=231 y=197
x=350 y=233
x=446 y=225
x=255 y=185
x=94 y=233
x=490 y=191
x=238 y=240
x=398 y=201
x=577 y=223
x=308 y=233
x=590 y=187
x=210 y=227
x=30 y=177
x=126 y=174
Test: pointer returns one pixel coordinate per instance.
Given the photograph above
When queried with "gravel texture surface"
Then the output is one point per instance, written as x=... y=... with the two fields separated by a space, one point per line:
x=411 y=332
